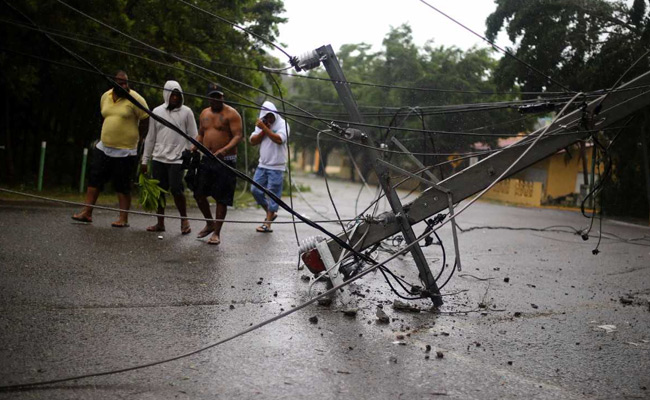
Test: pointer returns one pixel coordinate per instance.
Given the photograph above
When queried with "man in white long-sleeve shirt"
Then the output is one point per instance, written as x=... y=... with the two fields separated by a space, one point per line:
x=166 y=147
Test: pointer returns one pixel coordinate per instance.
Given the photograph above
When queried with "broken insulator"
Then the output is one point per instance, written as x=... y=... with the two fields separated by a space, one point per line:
x=385 y=218
x=310 y=255
x=354 y=134
x=307 y=61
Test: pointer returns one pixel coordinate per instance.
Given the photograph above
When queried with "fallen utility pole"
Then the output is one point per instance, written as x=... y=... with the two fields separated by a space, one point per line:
x=599 y=114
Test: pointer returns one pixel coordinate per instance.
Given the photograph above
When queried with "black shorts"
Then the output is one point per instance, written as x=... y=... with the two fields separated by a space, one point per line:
x=215 y=180
x=169 y=175
x=119 y=170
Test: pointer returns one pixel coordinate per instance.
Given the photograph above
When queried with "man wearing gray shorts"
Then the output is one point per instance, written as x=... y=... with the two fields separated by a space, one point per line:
x=166 y=148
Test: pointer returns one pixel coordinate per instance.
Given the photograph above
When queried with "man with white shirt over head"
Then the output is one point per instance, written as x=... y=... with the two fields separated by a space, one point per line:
x=271 y=134
x=165 y=147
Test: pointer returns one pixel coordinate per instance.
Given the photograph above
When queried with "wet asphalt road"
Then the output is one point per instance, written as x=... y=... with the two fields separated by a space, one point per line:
x=78 y=299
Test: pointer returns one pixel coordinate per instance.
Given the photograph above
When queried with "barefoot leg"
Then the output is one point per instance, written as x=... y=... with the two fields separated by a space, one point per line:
x=204 y=206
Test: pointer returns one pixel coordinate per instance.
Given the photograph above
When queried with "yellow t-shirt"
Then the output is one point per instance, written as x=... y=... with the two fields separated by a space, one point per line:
x=121 y=118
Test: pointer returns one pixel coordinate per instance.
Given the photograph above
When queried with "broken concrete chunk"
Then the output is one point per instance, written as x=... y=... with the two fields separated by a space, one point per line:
x=403 y=306
x=351 y=312
x=381 y=316
x=325 y=301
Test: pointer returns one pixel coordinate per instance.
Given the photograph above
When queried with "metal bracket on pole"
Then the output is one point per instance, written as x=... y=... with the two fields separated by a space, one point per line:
x=415 y=160
x=381 y=167
x=439 y=188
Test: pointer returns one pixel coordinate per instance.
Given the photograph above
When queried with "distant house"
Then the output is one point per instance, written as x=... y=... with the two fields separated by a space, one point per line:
x=558 y=179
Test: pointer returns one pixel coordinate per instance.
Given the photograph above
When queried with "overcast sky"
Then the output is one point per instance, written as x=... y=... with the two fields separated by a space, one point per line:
x=312 y=24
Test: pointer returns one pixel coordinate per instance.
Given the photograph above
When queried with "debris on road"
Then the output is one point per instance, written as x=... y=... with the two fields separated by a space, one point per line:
x=403 y=306
x=382 y=317
x=325 y=301
x=607 y=328
x=350 y=312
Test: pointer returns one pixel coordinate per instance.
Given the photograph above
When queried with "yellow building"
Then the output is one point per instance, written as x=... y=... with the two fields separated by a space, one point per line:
x=558 y=179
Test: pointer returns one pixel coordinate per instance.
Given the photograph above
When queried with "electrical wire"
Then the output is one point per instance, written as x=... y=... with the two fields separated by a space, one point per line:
x=329 y=193
x=234 y=25
x=71 y=35
x=147 y=214
x=287 y=115
x=530 y=67
x=257 y=106
x=152 y=49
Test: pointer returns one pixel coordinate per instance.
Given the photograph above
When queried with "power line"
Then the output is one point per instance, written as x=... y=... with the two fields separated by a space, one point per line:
x=70 y=35
x=234 y=25
x=530 y=67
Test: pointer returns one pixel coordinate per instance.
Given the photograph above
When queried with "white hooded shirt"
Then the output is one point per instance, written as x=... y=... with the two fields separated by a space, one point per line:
x=273 y=155
x=162 y=143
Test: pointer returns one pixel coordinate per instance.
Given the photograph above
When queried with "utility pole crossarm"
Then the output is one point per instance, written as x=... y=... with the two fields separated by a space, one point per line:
x=567 y=130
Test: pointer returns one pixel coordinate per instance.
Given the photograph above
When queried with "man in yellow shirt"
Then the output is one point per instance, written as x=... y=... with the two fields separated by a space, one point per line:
x=115 y=155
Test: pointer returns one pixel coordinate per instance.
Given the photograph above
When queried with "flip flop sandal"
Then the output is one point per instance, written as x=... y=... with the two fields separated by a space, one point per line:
x=82 y=218
x=204 y=233
x=118 y=225
x=187 y=230
x=264 y=229
x=214 y=241
x=155 y=228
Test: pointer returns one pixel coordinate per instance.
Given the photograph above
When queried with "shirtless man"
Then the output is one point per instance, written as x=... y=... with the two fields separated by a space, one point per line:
x=220 y=130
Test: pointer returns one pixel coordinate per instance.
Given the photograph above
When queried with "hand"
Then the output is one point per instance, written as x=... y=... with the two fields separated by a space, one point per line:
x=143 y=169
x=260 y=124
x=220 y=153
x=193 y=148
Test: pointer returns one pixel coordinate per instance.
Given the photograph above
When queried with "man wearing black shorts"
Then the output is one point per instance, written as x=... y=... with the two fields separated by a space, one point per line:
x=220 y=130
x=115 y=155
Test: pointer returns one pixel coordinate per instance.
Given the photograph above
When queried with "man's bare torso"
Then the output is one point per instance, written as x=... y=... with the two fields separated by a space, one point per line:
x=217 y=128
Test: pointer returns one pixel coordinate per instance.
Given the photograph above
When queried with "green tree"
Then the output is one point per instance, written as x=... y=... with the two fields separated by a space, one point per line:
x=585 y=45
